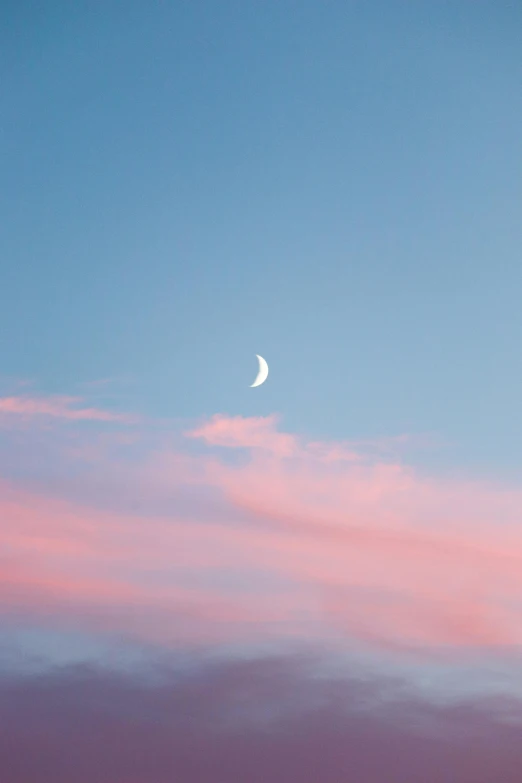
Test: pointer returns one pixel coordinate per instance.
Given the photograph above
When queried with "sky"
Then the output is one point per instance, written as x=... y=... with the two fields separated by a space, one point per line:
x=319 y=578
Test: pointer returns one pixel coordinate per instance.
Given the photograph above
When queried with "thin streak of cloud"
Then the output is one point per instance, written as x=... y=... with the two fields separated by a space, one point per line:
x=260 y=434
x=58 y=407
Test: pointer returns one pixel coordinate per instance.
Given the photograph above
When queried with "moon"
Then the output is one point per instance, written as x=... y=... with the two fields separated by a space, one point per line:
x=262 y=374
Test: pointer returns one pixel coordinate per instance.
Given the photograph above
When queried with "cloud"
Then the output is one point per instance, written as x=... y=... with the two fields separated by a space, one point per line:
x=151 y=579
x=58 y=407
x=251 y=433
x=298 y=541
x=259 y=433
x=258 y=720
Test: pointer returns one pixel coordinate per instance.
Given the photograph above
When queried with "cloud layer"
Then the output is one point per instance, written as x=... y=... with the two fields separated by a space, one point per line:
x=137 y=534
x=202 y=547
x=255 y=720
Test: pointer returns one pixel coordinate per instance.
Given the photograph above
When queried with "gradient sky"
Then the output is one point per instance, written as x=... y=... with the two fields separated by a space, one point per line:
x=317 y=579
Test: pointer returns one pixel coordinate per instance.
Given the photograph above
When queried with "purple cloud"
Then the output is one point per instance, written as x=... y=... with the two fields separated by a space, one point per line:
x=255 y=721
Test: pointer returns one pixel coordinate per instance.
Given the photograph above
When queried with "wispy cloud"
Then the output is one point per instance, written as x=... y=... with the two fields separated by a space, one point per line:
x=58 y=407
x=251 y=433
x=297 y=540
x=261 y=434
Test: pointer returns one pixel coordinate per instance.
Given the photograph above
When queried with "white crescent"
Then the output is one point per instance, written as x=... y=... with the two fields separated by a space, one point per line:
x=262 y=374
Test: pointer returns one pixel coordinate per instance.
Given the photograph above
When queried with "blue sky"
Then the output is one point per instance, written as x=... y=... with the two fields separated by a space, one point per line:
x=333 y=185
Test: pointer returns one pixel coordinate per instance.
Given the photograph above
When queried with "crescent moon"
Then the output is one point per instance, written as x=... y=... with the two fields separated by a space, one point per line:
x=262 y=374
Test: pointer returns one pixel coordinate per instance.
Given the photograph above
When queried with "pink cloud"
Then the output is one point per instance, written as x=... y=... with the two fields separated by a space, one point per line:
x=252 y=433
x=260 y=433
x=59 y=407
x=129 y=575
x=318 y=543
